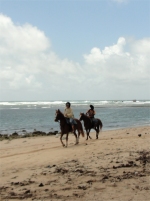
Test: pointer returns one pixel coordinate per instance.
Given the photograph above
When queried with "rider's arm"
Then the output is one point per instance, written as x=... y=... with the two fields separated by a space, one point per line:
x=68 y=113
x=65 y=113
x=87 y=113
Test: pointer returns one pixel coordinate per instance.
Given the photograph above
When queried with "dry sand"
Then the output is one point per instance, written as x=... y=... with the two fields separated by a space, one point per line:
x=114 y=167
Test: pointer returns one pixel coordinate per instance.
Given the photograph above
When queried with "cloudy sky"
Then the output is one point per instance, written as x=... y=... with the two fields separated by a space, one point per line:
x=74 y=50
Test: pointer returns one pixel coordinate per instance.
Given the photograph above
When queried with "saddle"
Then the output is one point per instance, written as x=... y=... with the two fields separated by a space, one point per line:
x=68 y=121
x=94 y=122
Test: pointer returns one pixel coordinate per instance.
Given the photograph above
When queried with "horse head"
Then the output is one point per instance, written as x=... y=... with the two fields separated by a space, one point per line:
x=58 y=115
x=81 y=116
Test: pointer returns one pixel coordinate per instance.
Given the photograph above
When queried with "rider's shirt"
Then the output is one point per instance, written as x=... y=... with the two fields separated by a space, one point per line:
x=68 y=113
x=91 y=113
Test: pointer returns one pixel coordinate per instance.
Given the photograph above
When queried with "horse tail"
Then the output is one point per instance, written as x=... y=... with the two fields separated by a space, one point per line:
x=82 y=132
x=100 y=124
x=80 y=127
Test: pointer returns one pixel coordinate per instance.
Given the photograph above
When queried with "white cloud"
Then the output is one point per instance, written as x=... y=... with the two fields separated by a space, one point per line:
x=97 y=55
x=31 y=70
x=117 y=64
x=25 y=38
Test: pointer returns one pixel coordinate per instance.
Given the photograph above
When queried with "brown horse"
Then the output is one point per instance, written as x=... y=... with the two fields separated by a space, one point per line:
x=88 y=125
x=66 y=128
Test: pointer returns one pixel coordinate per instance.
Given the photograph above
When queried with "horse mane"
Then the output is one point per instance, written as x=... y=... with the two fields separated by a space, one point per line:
x=84 y=115
x=60 y=112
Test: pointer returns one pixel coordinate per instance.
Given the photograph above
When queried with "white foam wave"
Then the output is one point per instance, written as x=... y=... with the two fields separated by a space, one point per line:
x=75 y=103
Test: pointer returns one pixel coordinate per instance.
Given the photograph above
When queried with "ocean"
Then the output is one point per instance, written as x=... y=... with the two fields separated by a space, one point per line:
x=40 y=115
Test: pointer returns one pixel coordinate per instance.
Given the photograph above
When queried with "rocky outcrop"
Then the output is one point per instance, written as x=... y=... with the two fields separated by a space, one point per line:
x=15 y=135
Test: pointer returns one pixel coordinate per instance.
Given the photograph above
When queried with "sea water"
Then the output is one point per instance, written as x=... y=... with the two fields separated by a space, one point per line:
x=40 y=115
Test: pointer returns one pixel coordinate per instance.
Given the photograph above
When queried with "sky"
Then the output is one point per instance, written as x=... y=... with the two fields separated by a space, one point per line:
x=74 y=50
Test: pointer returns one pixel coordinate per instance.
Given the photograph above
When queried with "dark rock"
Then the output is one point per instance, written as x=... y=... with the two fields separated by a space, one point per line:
x=16 y=183
x=46 y=190
x=105 y=177
x=12 y=194
x=15 y=134
x=38 y=133
x=28 y=191
x=79 y=170
x=130 y=162
x=48 y=166
x=61 y=170
x=83 y=187
x=139 y=135
x=5 y=136
x=52 y=133
x=41 y=185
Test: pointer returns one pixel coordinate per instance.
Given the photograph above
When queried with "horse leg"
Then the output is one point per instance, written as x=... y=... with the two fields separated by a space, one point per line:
x=67 y=139
x=97 y=132
x=76 y=137
x=78 y=134
x=62 y=141
x=89 y=134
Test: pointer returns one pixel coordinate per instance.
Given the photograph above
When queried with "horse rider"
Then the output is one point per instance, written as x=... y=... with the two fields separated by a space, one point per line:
x=90 y=113
x=68 y=113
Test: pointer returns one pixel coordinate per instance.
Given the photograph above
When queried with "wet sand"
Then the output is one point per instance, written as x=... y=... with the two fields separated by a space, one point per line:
x=114 y=167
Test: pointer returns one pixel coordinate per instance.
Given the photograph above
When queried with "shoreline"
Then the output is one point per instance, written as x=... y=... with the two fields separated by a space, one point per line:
x=110 y=168
x=24 y=133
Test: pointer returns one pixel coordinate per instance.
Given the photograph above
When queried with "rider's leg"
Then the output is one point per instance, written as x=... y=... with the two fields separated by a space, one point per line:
x=94 y=122
x=72 y=125
x=73 y=128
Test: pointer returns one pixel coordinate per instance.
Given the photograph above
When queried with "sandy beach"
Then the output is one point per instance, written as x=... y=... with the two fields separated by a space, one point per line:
x=114 y=167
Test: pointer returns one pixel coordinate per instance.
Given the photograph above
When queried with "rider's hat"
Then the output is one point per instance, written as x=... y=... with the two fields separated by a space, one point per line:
x=92 y=107
x=68 y=104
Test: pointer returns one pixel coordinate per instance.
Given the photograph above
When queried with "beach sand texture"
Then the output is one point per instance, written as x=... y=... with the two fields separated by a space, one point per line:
x=114 y=167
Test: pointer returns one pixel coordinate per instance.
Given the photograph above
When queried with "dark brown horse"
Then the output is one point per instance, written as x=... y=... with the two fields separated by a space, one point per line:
x=88 y=125
x=67 y=128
